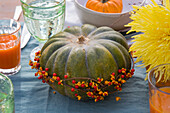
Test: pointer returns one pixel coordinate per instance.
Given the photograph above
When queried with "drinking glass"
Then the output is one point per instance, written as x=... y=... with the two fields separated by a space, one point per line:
x=6 y=95
x=44 y=18
x=159 y=90
x=10 y=51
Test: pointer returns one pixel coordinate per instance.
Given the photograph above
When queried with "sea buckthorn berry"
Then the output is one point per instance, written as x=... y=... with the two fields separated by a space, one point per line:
x=82 y=85
x=76 y=86
x=110 y=83
x=37 y=59
x=54 y=92
x=119 y=71
x=59 y=83
x=37 y=53
x=99 y=79
x=98 y=97
x=105 y=94
x=119 y=88
x=132 y=70
x=76 y=94
x=72 y=89
x=43 y=72
x=38 y=65
x=43 y=81
x=96 y=100
x=113 y=81
x=40 y=77
x=46 y=69
x=89 y=93
x=113 y=74
x=123 y=70
x=36 y=74
x=122 y=76
x=119 y=84
x=58 y=78
x=95 y=87
x=65 y=76
x=73 y=81
x=54 y=74
x=90 y=84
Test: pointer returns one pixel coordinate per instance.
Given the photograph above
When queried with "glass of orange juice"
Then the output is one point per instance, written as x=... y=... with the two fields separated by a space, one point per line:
x=159 y=89
x=10 y=51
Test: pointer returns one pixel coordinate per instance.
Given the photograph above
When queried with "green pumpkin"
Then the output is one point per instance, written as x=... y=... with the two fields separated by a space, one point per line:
x=85 y=51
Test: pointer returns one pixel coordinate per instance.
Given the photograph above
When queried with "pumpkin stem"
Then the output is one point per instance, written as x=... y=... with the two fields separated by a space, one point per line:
x=81 y=39
x=103 y=1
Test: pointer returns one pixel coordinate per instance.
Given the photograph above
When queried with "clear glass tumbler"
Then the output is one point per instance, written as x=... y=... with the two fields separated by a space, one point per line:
x=44 y=18
x=159 y=90
x=6 y=95
x=10 y=51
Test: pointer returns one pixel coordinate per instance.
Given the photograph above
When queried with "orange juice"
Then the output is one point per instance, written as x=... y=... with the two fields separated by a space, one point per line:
x=10 y=51
x=160 y=102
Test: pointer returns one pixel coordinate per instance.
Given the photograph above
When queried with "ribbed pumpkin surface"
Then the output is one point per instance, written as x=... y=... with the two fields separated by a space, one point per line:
x=105 y=6
x=84 y=51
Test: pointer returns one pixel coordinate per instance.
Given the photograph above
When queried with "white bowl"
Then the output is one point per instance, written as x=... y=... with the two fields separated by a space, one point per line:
x=113 y=20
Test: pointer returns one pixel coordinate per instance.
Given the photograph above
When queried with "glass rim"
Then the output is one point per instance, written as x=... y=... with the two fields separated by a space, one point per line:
x=15 y=30
x=11 y=88
x=149 y=75
x=41 y=7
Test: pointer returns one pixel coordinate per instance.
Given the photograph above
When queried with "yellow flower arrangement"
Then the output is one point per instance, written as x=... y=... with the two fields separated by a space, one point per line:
x=152 y=46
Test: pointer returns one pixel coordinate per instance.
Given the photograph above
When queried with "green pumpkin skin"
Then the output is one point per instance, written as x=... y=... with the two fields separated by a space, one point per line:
x=85 y=51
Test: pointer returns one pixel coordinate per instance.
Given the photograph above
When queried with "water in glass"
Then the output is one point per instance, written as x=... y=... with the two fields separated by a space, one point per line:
x=45 y=18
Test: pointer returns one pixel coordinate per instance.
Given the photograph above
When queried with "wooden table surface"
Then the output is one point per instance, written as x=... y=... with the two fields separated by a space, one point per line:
x=7 y=8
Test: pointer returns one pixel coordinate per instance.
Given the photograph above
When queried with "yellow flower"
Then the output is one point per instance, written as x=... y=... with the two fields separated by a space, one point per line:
x=99 y=80
x=41 y=69
x=46 y=74
x=79 y=84
x=79 y=97
x=106 y=82
x=113 y=78
x=51 y=80
x=105 y=94
x=100 y=92
x=152 y=47
x=123 y=81
x=101 y=98
x=119 y=79
x=118 y=98
x=54 y=77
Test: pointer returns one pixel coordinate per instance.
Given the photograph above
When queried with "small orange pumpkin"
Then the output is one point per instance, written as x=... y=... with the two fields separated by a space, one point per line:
x=105 y=6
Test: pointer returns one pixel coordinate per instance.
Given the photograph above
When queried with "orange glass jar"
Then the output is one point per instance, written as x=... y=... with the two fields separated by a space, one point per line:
x=159 y=92
x=10 y=52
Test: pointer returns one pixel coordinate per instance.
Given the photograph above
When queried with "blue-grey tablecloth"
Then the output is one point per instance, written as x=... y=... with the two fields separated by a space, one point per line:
x=32 y=96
